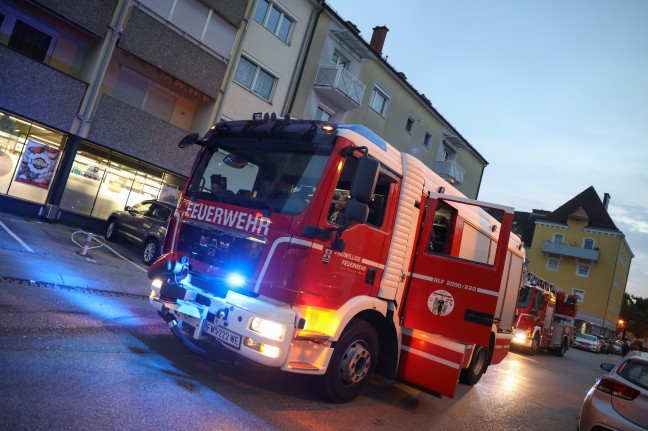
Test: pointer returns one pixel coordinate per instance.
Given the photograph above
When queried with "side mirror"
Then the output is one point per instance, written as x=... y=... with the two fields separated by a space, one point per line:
x=607 y=367
x=188 y=140
x=356 y=212
x=365 y=180
x=127 y=208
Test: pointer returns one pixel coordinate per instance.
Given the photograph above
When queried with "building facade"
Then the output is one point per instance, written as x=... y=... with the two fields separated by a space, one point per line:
x=96 y=95
x=345 y=79
x=578 y=248
x=106 y=89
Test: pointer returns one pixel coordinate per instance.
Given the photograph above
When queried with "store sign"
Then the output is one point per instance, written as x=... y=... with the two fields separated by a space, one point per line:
x=38 y=164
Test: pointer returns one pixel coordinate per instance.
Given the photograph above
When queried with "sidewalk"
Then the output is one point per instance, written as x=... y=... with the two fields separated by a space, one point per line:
x=37 y=251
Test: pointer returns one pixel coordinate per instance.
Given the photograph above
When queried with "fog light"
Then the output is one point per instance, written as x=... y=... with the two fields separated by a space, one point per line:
x=264 y=349
x=268 y=329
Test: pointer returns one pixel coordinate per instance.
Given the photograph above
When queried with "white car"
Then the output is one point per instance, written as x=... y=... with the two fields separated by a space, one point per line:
x=587 y=342
x=619 y=399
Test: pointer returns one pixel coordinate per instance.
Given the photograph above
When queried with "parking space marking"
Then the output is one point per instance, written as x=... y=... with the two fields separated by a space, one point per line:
x=125 y=258
x=16 y=237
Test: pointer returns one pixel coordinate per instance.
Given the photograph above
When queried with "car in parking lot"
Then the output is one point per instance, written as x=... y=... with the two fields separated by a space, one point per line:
x=618 y=347
x=587 y=342
x=144 y=223
x=619 y=399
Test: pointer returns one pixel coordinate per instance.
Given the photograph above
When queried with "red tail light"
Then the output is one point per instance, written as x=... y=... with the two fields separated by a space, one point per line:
x=616 y=389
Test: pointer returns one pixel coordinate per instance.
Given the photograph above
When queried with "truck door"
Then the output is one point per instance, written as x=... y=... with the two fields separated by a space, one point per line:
x=453 y=289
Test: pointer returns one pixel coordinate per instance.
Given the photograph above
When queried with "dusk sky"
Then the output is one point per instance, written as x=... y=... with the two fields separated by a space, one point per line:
x=553 y=93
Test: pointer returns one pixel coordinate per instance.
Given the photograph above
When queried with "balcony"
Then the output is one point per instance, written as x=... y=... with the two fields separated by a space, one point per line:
x=570 y=250
x=339 y=86
x=450 y=171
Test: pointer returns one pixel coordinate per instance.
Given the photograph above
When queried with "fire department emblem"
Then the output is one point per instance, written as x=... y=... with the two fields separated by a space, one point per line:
x=441 y=303
x=326 y=256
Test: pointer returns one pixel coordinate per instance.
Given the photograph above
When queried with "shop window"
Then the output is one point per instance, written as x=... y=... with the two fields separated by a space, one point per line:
x=31 y=157
x=30 y=41
x=85 y=178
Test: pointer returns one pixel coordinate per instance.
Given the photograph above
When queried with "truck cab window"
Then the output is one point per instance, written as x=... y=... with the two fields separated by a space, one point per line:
x=342 y=192
x=440 y=238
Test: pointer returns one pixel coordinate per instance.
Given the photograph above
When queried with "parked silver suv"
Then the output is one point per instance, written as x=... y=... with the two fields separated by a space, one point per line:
x=143 y=223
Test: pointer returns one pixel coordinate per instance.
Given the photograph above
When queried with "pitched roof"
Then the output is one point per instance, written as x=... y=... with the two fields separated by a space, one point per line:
x=585 y=206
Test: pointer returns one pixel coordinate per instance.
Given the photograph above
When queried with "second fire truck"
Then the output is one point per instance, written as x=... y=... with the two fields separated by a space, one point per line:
x=545 y=317
x=413 y=281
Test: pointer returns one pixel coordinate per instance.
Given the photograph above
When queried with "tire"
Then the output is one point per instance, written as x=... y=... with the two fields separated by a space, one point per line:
x=476 y=368
x=535 y=345
x=111 y=230
x=151 y=251
x=352 y=363
x=562 y=349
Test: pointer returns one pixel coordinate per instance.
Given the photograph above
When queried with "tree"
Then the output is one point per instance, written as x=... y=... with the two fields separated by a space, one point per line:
x=634 y=313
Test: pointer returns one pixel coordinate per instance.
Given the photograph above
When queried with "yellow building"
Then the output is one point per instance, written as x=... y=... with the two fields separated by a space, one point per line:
x=579 y=248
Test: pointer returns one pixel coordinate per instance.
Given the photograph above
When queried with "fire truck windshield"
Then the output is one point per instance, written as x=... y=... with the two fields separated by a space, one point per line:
x=525 y=297
x=264 y=174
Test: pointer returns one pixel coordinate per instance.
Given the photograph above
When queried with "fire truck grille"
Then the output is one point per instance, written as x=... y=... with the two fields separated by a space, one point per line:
x=229 y=250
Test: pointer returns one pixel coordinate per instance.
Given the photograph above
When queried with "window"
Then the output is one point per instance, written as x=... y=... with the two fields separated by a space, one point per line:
x=197 y=21
x=409 y=126
x=558 y=238
x=449 y=153
x=254 y=78
x=582 y=269
x=379 y=101
x=339 y=61
x=140 y=92
x=30 y=41
x=588 y=243
x=580 y=294
x=323 y=114
x=275 y=19
x=427 y=139
x=552 y=264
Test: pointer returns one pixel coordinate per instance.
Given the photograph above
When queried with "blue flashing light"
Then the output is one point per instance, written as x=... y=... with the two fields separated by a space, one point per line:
x=235 y=280
x=367 y=133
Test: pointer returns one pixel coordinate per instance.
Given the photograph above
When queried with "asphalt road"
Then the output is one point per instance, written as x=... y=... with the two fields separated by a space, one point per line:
x=79 y=359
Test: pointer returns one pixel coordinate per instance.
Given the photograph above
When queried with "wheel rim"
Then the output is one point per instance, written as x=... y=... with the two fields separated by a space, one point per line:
x=480 y=359
x=355 y=363
x=110 y=230
x=536 y=343
x=149 y=251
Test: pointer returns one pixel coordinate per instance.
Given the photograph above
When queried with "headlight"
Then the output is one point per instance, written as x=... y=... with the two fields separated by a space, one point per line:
x=272 y=330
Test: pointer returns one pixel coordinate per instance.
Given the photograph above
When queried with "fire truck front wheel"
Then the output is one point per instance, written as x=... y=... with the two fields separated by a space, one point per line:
x=477 y=368
x=352 y=363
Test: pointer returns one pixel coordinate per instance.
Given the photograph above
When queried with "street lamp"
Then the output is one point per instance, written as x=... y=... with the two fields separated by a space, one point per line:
x=622 y=327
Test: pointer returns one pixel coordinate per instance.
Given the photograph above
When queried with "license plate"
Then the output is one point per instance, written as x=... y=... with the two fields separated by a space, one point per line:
x=225 y=335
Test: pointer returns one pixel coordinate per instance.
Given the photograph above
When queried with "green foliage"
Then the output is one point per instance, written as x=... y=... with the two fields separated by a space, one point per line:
x=634 y=312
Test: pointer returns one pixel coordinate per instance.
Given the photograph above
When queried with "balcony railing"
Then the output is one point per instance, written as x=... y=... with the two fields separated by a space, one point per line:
x=340 y=86
x=570 y=250
x=450 y=171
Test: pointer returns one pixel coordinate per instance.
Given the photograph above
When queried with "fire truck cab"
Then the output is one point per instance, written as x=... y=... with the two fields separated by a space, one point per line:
x=320 y=249
x=544 y=319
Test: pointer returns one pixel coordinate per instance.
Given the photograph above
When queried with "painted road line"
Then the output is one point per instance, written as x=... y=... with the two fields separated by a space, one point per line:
x=126 y=259
x=16 y=237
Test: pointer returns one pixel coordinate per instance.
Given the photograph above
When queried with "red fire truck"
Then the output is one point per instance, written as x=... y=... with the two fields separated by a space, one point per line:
x=412 y=280
x=544 y=319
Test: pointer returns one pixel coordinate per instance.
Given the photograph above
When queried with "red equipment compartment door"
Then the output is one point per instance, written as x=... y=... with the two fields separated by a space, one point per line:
x=453 y=289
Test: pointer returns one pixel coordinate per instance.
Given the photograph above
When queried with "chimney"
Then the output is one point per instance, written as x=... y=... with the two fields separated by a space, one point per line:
x=606 y=200
x=378 y=38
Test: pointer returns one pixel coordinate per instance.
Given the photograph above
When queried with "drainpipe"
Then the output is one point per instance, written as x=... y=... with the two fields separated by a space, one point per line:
x=302 y=59
x=222 y=93
x=81 y=122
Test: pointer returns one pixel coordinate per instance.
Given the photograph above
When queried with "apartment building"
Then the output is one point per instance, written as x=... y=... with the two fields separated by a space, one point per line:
x=578 y=248
x=95 y=96
x=346 y=79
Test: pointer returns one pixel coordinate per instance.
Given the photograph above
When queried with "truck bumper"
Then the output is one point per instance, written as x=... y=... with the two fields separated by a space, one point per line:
x=259 y=329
